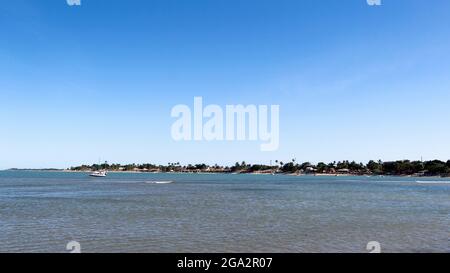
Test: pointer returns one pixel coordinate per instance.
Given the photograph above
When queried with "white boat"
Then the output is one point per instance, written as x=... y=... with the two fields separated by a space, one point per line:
x=101 y=172
x=98 y=174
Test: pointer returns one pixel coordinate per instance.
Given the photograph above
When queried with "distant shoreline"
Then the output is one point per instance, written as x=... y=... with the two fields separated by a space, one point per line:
x=35 y=170
x=434 y=168
x=400 y=168
x=229 y=173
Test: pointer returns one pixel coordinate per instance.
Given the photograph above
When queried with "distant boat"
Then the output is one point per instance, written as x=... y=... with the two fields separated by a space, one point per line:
x=98 y=174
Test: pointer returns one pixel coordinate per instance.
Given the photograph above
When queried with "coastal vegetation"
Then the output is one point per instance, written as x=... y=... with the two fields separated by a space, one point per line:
x=399 y=168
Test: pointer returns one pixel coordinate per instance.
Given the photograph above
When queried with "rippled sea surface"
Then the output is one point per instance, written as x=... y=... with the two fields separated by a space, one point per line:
x=43 y=211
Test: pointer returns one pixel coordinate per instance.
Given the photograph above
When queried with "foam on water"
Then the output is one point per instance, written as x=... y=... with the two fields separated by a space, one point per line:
x=433 y=182
x=159 y=182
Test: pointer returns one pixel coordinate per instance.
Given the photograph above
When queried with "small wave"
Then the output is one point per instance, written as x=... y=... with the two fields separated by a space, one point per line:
x=390 y=181
x=159 y=182
x=433 y=182
x=372 y=181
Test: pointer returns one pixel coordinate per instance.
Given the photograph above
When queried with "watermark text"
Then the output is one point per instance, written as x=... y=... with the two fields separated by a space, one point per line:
x=235 y=123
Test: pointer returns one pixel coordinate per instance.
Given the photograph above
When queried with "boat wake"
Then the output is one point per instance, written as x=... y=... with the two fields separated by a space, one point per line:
x=433 y=182
x=159 y=182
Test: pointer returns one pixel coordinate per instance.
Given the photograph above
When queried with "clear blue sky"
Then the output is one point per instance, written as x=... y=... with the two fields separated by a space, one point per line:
x=352 y=81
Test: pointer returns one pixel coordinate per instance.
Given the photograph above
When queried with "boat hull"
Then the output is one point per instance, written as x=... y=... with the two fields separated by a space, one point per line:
x=97 y=175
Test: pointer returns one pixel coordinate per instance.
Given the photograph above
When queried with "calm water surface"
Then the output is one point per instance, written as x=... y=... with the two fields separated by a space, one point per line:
x=43 y=211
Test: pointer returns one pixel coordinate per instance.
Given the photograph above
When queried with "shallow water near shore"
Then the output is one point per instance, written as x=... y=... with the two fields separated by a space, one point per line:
x=126 y=212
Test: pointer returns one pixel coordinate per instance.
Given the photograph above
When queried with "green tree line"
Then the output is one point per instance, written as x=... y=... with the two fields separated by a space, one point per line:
x=400 y=167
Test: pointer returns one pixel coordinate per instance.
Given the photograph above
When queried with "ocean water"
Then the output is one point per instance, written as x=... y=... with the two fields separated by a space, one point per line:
x=43 y=211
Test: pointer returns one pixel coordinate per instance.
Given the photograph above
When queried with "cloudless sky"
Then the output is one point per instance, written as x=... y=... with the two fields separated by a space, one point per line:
x=99 y=81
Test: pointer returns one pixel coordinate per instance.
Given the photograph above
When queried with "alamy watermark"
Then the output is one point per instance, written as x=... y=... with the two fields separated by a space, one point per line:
x=78 y=2
x=73 y=2
x=374 y=2
x=73 y=247
x=234 y=123
x=373 y=247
